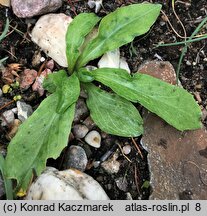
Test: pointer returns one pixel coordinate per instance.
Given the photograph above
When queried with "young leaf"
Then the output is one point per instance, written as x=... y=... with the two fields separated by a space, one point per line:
x=43 y=135
x=77 y=30
x=46 y=132
x=119 y=28
x=84 y=75
x=113 y=114
x=175 y=105
x=54 y=80
x=68 y=93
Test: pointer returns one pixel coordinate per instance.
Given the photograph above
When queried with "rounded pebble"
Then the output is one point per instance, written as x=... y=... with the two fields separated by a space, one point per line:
x=79 y=131
x=93 y=138
x=8 y=118
x=76 y=158
x=126 y=149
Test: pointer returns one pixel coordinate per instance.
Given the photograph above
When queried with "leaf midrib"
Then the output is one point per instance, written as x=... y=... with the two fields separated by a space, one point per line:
x=147 y=97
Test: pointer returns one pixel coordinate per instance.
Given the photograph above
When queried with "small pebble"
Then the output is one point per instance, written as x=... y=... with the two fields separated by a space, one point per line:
x=79 y=131
x=36 y=58
x=126 y=149
x=76 y=158
x=14 y=128
x=93 y=138
x=188 y=63
x=162 y=23
x=27 y=77
x=8 y=118
x=50 y=64
x=95 y=3
x=24 y=110
x=27 y=9
x=81 y=110
x=89 y=123
x=111 y=166
x=15 y=110
x=121 y=183
x=128 y=196
x=1 y=93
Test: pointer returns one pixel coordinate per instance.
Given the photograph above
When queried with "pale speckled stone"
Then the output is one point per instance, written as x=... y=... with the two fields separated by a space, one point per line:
x=93 y=138
x=49 y=34
x=69 y=184
x=30 y=8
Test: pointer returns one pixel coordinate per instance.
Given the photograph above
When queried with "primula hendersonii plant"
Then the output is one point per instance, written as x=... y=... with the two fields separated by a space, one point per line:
x=44 y=134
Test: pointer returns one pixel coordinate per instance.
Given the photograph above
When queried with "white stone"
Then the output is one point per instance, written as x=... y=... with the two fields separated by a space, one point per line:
x=69 y=184
x=126 y=149
x=1 y=93
x=49 y=33
x=124 y=65
x=112 y=59
x=95 y=3
x=93 y=138
x=24 y=110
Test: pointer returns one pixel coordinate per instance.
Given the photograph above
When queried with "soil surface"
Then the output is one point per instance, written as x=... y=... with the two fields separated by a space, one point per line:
x=193 y=76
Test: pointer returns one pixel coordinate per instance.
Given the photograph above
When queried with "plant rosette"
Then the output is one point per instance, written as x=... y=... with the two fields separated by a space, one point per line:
x=44 y=134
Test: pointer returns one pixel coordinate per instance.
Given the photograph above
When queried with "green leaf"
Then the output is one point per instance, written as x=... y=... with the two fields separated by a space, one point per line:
x=7 y=182
x=175 y=105
x=119 y=28
x=44 y=134
x=84 y=75
x=77 y=30
x=68 y=88
x=54 y=80
x=68 y=93
x=6 y=29
x=113 y=114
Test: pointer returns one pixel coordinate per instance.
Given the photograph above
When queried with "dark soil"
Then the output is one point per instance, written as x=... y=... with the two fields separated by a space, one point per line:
x=193 y=76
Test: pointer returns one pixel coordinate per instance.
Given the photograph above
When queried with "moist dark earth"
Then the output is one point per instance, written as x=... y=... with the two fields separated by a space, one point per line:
x=193 y=76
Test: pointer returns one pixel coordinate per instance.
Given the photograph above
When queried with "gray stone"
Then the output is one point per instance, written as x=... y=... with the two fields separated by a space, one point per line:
x=122 y=183
x=8 y=118
x=24 y=110
x=30 y=8
x=81 y=110
x=1 y=93
x=89 y=123
x=76 y=158
x=177 y=160
x=79 y=131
